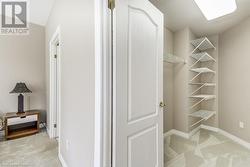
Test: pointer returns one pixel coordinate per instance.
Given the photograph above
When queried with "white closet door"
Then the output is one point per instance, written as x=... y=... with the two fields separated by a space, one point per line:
x=138 y=119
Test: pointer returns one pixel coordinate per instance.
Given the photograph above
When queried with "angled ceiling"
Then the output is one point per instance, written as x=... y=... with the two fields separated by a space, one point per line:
x=182 y=13
x=40 y=10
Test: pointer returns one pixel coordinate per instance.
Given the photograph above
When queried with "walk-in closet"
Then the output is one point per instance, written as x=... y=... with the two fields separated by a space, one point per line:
x=206 y=83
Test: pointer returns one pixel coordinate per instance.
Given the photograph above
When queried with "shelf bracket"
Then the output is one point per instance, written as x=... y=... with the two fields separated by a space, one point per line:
x=198 y=89
x=198 y=46
x=197 y=103
x=197 y=61
x=195 y=77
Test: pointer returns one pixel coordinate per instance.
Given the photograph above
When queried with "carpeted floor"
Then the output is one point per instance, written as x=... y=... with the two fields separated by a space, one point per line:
x=32 y=151
x=205 y=149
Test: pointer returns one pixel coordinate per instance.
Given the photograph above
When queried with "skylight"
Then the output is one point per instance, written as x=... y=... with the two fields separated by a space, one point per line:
x=213 y=9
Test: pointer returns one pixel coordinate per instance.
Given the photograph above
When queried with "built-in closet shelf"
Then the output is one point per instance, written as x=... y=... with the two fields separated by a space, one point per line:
x=202 y=57
x=201 y=99
x=202 y=70
x=199 y=54
x=202 y=86
x=204 y=114
x=205 y=97
x=202 y=44
x=205 y=84
x=173 y=59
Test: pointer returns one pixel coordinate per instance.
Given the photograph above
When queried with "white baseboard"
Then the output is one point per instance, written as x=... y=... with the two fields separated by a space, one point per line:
x=169 y=133
x=194 y=131
x=62 y=160
x=235 y=138
x=230 y=136
x=182 y=134
x=210 y=128
x=48 y=132
x=178 y=133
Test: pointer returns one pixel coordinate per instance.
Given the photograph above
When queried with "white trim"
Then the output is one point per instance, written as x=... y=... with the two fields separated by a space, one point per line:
x=63 y=162
x=235 y=139
x=102 y=85
x=194 y=131
x=182 y=134
x=48 y=131
x=228 y=135
x=106 y=128
x=56 y=37
x=51 y=131
x=178 y=133
x=98 y=84
x=210 y=128
x=169 y=133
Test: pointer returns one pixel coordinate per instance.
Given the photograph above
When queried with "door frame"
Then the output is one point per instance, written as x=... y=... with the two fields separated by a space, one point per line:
x=102 y=150
x=103 y=57
x=56 y=38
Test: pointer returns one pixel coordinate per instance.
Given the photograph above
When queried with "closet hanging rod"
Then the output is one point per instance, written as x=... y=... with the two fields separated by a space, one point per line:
x=170 y=58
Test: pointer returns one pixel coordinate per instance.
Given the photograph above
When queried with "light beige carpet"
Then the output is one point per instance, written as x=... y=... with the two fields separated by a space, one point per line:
x=32 y=151
x=205 y=149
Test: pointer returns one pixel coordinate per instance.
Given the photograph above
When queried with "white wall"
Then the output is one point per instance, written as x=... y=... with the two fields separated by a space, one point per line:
x=168 y=82
x=22 y=60
x=234 y=80
x=76 y=19
x=181 y=80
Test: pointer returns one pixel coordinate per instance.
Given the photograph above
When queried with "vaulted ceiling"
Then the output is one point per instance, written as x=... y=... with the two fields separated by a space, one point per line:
x=38 y=11
x=182 y=13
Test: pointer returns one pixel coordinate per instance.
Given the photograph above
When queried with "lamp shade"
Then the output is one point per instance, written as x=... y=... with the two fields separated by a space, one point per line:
x=21 y=88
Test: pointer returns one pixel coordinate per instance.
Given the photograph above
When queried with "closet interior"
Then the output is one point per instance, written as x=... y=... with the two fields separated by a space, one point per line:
x=190 y=81
x=206 y=86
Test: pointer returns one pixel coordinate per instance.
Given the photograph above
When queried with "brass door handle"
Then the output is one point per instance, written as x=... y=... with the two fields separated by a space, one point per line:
x=162 y=104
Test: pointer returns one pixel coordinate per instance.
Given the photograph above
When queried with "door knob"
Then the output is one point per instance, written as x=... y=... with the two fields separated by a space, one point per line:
x=162 y=104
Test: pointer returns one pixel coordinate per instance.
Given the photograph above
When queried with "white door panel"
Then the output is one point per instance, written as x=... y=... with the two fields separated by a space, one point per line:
x=138 y=42
x=142 y=74
x=146 y=157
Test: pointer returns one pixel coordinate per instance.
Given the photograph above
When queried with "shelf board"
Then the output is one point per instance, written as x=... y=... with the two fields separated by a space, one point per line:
x=22 y=132
x=202 y=44
x=173 y=59
x=202 y=86
x=202 y=57
x=202 y=70
x=205 y=97
x=204 y=114
x=205 y=84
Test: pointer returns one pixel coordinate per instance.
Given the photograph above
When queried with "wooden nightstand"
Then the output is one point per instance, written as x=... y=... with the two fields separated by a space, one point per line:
x=19 y=125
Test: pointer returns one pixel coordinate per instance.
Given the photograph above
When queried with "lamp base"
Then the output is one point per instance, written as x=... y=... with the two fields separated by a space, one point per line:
x=20 y=104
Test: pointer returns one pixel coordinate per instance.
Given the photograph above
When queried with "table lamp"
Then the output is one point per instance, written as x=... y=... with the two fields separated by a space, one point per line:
x=20 y=88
